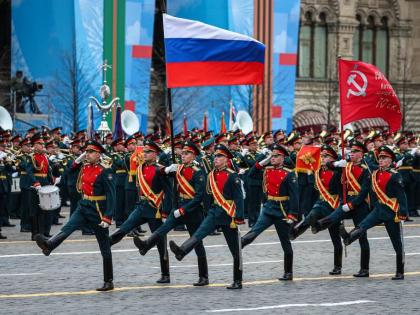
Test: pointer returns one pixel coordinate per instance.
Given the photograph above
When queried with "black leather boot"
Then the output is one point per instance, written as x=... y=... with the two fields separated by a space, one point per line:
x=338 y=262
x=248 y=238
x=108 y=275
x=48 y=245
x=164 y=268
x=237 y=276
x=146 y=245
x=364 y=264
x=181 y=251
x=322 y=224
x=288 y=268
x=399 y=275
x=203 y=273
x=298 y=230
x=116 y=237
x=349 y=238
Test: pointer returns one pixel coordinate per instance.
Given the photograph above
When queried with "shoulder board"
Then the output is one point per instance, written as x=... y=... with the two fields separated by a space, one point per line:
x=269 y=167
x=287 y=169
x=159 y=165
x=104 y=165
x=363 y=166
x=230 y=170
x=394 y=171
x=195 y=168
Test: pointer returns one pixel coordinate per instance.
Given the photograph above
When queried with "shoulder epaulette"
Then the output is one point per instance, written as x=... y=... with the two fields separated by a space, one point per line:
x=105 y=165
x=394 y=171
x=230 y=170
x=287 y=169
x=363 y=166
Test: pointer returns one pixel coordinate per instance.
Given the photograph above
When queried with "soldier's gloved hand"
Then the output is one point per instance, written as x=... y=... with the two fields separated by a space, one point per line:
x=290 y=219
x=399 y=163
x=60 y=156
x=196 y=163
x=346 y=207
x=80 y=158
x=244 y=152
x=15 y=174
x=171 y=168
x=341 y=163
x=38 y=187
x=265 y=161
x=415 y=151
x=266 y=151
x=177 y=213
x=241 y=171
x=239 y=221
x=104 y=224
x=57 y=180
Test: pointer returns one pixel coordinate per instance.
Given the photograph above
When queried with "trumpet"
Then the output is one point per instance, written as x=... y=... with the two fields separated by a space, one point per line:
x=106 y=160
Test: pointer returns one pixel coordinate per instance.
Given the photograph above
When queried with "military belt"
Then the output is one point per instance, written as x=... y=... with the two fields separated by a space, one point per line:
x=416 y=170
x=94 y=198
x=3 y=177
x=40 y=175
x=278 y=198
x=120 y=171
x=352 y=193
x=23 y=173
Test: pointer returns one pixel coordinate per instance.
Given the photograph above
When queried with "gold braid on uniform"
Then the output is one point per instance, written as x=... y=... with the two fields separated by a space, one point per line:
x=208 y=188
x=264 y=185
x=79 y=181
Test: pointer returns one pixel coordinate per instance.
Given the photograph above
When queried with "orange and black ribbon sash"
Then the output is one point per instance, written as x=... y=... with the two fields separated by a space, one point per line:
x=183 y=183
x=226 y=205
x=333 y=200
x=156 y=199
x=354 y=184
x=383 y=198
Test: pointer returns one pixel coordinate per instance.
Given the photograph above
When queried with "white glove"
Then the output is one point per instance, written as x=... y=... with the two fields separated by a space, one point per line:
x=57 y=180
x=37 y=187
x=341 y=163
x=80 y=158
x=265 y=161
x=196 y=163
x=177 y=213
x=171 y=168
x=60 y=156
x=400 y=162
x=241 y=171
x=266 y=151
x=244 y=152
x=288 y=221
x=346 y=207
x=2 y=155
x=103 y=224
x=15 y=174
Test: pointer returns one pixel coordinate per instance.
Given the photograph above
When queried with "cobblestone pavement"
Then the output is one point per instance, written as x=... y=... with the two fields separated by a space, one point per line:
x=64 y=282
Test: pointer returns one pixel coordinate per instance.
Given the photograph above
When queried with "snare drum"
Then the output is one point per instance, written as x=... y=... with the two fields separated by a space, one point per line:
x=49 y=197
x=15 y=185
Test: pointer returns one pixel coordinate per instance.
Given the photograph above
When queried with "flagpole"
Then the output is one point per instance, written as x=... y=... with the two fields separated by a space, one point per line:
x=171 y=122
x=343 y=176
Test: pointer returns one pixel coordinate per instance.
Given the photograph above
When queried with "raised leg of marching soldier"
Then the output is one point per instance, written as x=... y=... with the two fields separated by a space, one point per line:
x=205 y=229
x=192 y=223
x=136 y=219
x=357 y=215
x=394 y=231
x=264 y=222
x=76 y=221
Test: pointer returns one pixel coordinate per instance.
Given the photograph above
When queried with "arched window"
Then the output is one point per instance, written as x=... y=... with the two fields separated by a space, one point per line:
x=313 y=39
x=370 y=42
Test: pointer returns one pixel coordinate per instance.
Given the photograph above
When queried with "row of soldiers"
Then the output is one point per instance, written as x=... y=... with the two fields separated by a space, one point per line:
x=211 y=187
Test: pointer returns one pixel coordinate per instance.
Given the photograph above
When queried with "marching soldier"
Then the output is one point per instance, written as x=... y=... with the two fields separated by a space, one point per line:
x=191 y=187
x=153 y=188
x=94 y=210
x=5 y=170
x=357 y=205
x=389 y=206
x=328 y=184
x=226 y=212
x=281 y=207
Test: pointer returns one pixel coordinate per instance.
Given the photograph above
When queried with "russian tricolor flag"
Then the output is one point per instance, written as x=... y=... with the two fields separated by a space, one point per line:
x=198 y=54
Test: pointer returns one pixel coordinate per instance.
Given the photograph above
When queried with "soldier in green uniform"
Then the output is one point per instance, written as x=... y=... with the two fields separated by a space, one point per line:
x=153 y=188
x=328 y=184
x=357 y=202
x=281 y=206
x=404 y=165
x=226 y=211
x=25 y=184
x=131 y=189
x=389 y=207
x=5 y=171
x=94 y=210
x=120 y=171
x=191 y=188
